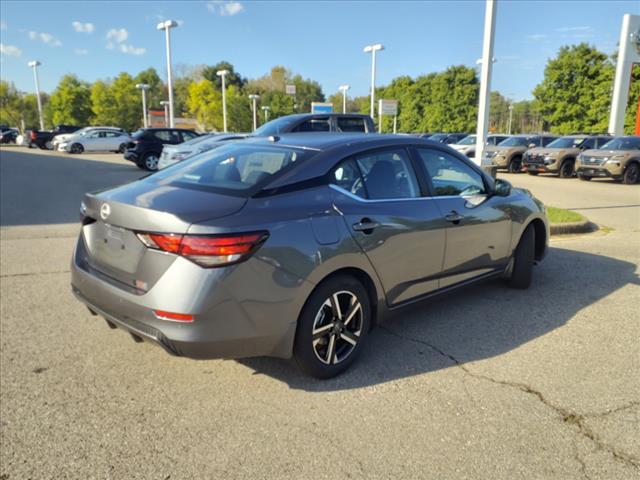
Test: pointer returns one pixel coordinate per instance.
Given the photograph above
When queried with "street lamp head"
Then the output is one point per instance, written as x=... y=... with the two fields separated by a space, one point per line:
x=164 y=102
x=34 y=63
x=344 y=88
x=222 y=73
x=253 y=96
x=167 y=24
x=373 y=48
x=265 y=107
x=142 y=86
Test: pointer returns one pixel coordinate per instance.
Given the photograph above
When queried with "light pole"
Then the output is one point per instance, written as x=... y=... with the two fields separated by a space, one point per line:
x=343 y=89
x=254 y=99
x=266 y=109
x=143 y=87
x=222 y=74
x=166 y=26
x=510 y=118
x=35 y=64
x=166 y=105
x=373 y=49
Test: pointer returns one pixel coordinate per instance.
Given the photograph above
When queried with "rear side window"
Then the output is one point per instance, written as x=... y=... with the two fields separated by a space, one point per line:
x=547 y=140
x=233 y=166
x=350 y=124
x=167 y=136
x=314 y=125
x=450 y=175
x=378 y=175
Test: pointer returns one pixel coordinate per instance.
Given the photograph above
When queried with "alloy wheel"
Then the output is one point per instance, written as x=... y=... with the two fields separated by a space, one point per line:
x=632 y=174
x=337 y=327
x=151 y=162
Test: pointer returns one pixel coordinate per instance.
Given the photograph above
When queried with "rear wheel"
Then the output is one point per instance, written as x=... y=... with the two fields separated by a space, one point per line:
x=332 y=327
x=631 y=174
x=49 y=145
x=76 y=148
x=566 y=169
x=515 y=165
x=150 y=162
x=523 y=260
x=585 y=178
x=121 y=148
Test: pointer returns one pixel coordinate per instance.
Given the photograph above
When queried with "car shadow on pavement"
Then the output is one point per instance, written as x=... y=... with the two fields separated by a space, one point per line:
x=472 y=324
x=38 y=189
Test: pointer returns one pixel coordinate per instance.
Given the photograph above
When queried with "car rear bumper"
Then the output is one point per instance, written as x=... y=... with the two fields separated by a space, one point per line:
x=131 y=156
x=224 y=325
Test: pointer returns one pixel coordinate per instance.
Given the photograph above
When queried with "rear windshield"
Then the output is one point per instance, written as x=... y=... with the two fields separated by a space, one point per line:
x=516 y=142
x=567 y=142
x=622 y=143
x=233 y=167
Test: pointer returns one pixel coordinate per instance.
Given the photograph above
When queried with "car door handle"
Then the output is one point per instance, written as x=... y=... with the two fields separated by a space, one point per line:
x=453 y=217
x=365 y=225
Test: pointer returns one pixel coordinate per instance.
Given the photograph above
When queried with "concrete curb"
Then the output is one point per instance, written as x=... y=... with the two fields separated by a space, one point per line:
x=583 y=226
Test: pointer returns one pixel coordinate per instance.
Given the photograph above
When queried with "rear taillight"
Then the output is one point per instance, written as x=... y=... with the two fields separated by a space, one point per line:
x=33 y=135
x=175 y=317
x=205 y=250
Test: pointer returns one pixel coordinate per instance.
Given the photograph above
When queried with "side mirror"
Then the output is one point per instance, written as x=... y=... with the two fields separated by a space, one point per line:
x=502 y=188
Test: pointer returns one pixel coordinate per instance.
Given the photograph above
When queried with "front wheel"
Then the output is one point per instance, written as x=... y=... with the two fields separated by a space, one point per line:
x=631 y=174
x=76 y=148
x=49 y=145
x=523 y=260
x=566 y=169
x=533 y=173
x=515 y=165
x=121 y=148
x=332 y=327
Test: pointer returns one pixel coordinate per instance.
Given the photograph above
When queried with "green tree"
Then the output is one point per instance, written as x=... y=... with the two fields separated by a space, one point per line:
x=233 y=78
x=575 y=94
x=156 y=92
x=70 y=102
x=204 y=103
x=117 y=103
x=632 y=105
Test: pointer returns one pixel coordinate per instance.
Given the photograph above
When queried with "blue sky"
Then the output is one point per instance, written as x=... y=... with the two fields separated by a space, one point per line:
x=319 y=40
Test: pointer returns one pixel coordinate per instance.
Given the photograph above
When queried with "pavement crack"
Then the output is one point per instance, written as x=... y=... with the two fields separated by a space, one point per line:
x=568 y=417
x=57 y=272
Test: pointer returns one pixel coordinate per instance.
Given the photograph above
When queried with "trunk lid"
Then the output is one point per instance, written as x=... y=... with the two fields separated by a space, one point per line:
x=111 y=242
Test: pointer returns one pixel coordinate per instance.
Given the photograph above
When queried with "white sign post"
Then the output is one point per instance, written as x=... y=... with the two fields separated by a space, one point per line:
x=389 y=108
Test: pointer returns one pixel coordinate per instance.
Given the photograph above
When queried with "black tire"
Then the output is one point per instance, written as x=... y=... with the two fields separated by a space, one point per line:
x=631 y=174
x=566 y=169
x=515 y=165
x=584 y=178
x=533 y=173
x=42 y=146
x=523 y=260
x=314 y=356
x=121 y=148
x=150 y=161
x=76 y=148
x=48 y=145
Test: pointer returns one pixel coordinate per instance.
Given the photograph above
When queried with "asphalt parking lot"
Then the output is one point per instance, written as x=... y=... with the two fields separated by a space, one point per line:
x=490 y=383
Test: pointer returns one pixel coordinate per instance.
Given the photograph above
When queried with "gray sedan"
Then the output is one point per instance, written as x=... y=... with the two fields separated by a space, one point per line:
x=298 y=245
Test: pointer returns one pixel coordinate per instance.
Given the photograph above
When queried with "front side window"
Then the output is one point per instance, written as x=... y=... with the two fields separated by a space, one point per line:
x=449 y=175
x=517 y=142
x=622 y=143
x=186 y=136
x=234 y=166
x=347 y=176
x=469 y=140
x=588 y=144
x=546 y=141
x=346 y=124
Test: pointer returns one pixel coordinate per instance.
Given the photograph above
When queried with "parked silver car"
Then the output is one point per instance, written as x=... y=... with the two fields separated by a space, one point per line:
x=97 y=140
x=297 y=245
x=172 y=154
x=64 y=137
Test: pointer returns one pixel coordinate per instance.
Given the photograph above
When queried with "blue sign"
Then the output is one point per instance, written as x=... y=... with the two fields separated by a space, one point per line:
x=321 y=107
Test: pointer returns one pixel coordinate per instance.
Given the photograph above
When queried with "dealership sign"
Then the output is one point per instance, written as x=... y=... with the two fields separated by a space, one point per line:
x=388 y=107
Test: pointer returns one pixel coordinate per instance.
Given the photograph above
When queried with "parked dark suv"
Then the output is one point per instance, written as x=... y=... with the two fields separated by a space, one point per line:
x=315 y=122
x=146 y=146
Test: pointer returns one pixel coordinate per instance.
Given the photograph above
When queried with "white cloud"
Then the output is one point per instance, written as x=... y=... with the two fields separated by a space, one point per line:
x=118 y=35
x=225 y=8
x=80 y=51
x=3 y=25
x=10 y=50
x=537 y=37
x=83 y=27
x=130 y=49
x=44 y=37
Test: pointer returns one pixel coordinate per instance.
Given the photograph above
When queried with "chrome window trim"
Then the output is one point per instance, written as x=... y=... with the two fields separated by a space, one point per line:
x=367 y=200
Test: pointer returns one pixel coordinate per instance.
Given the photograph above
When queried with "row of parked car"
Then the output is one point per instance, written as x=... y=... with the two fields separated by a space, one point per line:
x=581 y=155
